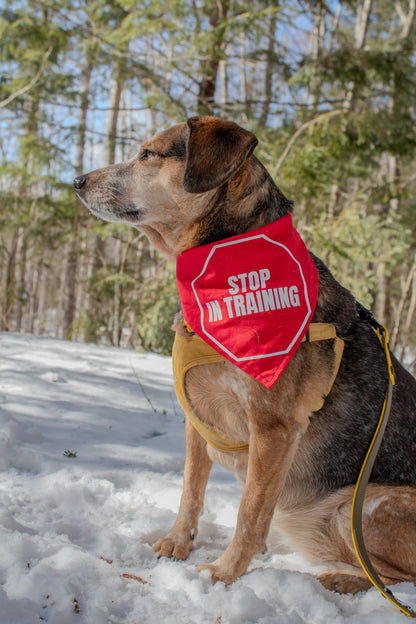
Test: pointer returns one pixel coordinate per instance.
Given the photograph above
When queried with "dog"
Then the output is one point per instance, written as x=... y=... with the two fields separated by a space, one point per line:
x=197 y=183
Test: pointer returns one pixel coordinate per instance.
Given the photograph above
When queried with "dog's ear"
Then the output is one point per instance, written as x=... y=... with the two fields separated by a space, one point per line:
x=216 y=150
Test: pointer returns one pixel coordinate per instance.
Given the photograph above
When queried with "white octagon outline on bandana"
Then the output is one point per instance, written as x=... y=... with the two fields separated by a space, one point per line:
x=219 y=344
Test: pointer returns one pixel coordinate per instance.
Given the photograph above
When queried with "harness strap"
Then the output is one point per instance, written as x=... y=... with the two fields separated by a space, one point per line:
x=325 y=331
x=366 y=469
x=191 y=350
x=187 y=352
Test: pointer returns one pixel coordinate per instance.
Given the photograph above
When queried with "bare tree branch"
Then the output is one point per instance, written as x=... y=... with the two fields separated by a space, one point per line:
x=30 y=84
x=299 y=131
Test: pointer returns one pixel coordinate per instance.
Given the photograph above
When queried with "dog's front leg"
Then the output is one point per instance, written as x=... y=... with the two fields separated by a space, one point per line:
x=270 y=455
x=179 y=541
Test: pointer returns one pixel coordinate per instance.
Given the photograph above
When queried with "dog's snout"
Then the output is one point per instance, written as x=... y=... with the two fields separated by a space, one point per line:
x=79 y=181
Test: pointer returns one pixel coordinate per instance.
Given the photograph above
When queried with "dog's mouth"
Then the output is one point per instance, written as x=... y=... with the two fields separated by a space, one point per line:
x=128 y=212
x=125 y=214
x=115 y=212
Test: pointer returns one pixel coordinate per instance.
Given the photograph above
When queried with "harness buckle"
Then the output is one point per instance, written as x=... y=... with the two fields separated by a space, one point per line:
x=368 y=317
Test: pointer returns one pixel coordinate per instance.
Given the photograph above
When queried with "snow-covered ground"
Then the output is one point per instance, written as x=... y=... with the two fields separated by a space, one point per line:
x=91 y=457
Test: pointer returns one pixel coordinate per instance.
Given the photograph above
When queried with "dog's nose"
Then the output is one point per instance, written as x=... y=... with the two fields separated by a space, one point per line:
x=79 y=181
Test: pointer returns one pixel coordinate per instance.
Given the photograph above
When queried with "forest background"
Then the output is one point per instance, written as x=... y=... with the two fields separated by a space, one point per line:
x=328 y=86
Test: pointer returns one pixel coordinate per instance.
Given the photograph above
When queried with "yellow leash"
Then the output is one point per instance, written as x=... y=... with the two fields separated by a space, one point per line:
x=366 y=469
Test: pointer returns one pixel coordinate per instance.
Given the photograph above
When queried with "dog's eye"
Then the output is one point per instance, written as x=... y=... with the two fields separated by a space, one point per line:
x=146 y=154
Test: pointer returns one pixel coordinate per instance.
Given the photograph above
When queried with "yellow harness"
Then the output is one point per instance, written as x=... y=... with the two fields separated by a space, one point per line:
x=190 y=350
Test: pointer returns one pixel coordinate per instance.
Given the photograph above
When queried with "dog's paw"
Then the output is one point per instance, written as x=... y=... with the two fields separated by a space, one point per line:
x=218 y=574
x=174 y=547
x=345 y=582
x=222 y=571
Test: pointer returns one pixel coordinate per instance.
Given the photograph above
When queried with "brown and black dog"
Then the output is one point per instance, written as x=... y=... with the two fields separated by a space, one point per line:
x=197 y=183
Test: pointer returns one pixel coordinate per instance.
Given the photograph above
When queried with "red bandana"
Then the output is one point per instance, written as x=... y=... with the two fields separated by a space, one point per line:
x=251 y=296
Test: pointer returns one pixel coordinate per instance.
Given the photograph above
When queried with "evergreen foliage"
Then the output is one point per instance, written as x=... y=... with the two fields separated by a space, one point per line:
x=329 y=88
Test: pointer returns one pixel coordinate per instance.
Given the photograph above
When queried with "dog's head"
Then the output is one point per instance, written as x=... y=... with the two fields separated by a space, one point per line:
x=175 y=180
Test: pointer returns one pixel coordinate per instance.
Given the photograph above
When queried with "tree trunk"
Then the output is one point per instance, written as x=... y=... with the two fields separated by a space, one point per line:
x=224 y=86
x=116 y=325
x=408 y=20
x=362 y=20
x=33 y=298
x=243 y=77
x=268 y=78
x=113 y=114
x=212 y=57
x=110 y=156
x=409 y=318
x=408 y=283
x=8 y=297
x=72 y=248
x=382 y=300
x=20 y=279
x=82 y=115
x=317 y=48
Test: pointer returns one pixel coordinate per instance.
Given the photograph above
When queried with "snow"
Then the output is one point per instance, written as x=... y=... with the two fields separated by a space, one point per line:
x=91 y=458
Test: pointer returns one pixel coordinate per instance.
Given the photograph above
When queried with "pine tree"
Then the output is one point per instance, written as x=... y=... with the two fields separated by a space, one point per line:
x=327 y=86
